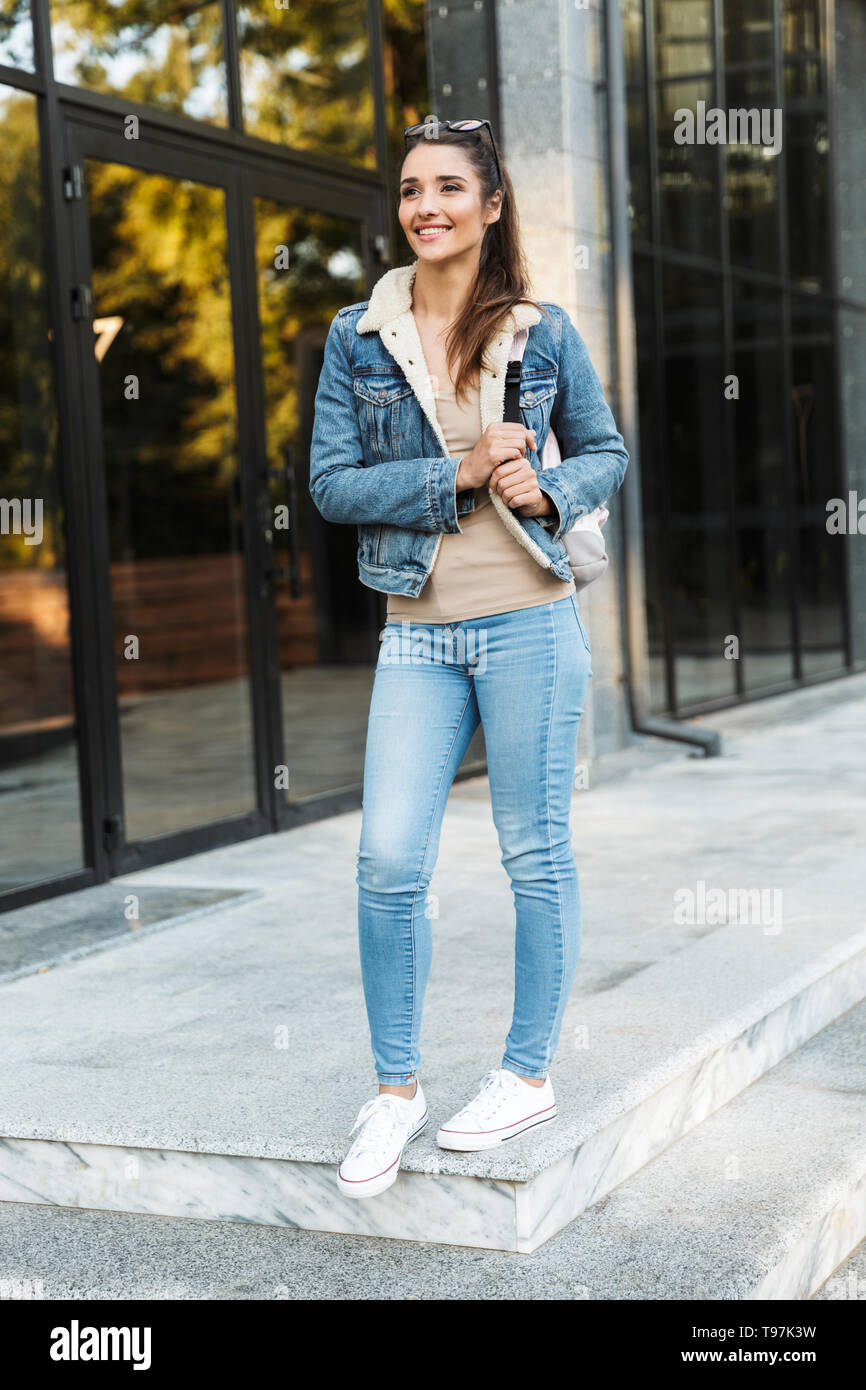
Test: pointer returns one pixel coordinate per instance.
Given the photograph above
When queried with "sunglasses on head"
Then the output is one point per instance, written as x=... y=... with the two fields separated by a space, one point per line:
x=431 y=127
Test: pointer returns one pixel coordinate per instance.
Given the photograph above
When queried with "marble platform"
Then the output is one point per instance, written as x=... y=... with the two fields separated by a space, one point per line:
x=760 y=1200
x=214 y=1070
x=120 y=1152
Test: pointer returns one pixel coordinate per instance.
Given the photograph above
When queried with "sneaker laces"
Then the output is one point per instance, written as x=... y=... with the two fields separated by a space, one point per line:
x=380 y=1117
x=495 y=1090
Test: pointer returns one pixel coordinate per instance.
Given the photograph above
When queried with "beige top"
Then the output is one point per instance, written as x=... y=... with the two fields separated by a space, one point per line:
x=482 y=569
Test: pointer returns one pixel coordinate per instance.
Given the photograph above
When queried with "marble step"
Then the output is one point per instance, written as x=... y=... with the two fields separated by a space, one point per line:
x=847 y=1283
x=763 y=1200
x=147 y=1079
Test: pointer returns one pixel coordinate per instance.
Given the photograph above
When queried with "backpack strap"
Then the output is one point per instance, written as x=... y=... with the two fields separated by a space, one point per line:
x=512 y=393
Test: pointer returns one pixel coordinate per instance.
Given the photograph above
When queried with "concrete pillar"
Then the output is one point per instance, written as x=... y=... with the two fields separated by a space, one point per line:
x=552 y=104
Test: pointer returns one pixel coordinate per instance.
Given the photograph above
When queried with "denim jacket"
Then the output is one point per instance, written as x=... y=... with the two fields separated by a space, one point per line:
x=379 y=458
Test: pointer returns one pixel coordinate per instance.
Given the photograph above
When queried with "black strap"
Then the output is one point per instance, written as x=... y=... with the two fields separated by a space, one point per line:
x=512 y=393
x=512 y=410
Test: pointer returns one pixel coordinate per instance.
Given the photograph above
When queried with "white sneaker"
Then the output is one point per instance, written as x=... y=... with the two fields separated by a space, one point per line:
x=388 y=1123
x=504 y=1107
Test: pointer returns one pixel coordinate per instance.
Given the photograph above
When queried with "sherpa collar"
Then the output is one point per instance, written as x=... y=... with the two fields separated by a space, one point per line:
x=389 y=312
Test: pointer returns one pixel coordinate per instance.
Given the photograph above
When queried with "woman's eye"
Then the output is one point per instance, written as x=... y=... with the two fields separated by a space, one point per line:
x=454 y=187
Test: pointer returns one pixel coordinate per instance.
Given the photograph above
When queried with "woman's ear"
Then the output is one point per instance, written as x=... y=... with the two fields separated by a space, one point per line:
x=494 y=208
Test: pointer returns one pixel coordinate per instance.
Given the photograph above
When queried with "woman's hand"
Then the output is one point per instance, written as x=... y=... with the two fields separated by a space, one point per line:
x=500 y=443
x=517 y=484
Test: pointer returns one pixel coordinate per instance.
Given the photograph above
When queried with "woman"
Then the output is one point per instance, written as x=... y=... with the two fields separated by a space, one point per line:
x=461 y=532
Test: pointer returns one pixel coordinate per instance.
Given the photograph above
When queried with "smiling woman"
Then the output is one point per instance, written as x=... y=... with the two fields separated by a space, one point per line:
x=409 y=442
x=452 y=190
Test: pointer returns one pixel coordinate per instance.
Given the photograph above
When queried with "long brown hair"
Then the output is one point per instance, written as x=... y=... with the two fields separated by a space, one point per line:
x=502 y=279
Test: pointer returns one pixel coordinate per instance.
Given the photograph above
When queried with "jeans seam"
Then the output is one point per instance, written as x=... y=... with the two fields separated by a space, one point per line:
x=424 y=856
x=561 y=941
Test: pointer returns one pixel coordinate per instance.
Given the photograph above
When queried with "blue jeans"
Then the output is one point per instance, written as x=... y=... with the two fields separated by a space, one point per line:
x=524 y=675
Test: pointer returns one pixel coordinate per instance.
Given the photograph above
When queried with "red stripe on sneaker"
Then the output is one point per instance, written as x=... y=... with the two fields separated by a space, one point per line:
x=446 y=1130
x=374 y=1176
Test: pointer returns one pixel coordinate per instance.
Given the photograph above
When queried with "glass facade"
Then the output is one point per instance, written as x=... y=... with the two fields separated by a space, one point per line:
x=737 y=314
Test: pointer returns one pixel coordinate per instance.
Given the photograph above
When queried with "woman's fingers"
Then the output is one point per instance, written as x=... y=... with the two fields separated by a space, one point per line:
x=513 y=478
x=515 y=468
x=509 y=431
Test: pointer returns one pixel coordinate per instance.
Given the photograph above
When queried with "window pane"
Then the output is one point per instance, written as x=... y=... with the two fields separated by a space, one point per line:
x=701 y=614
x=305 y=76
x=169 y=421
x=16 y=34
x=638 y=164
x=654 y=538
x=683 y=30
x=40 y=826
x=161 y=53
x=309 y=266
x=801 y=26
x=806 y=150
x=748 y=31
x=632 y=38
x=764 y=550
x=693 y=452
x=687 y=173
x=752 y=173
x=821 y=557
x=694 y=394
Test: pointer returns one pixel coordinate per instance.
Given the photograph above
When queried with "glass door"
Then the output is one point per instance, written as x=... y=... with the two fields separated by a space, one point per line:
x=158 y=343
x=238 y=645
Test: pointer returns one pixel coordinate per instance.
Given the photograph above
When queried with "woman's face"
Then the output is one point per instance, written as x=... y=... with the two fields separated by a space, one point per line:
x=441 y=210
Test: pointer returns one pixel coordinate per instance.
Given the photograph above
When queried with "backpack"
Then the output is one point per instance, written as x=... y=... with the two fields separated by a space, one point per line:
x=584 y=542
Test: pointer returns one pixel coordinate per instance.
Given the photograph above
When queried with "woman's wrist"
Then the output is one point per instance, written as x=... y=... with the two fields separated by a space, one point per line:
x=463 y=480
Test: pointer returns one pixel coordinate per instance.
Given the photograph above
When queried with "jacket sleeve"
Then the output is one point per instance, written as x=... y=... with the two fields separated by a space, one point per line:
x=417 y=493
x=594 y=456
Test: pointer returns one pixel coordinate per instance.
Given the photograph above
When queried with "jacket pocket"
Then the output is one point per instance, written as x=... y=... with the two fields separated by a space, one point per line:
x=537 y=395
x=383 y=401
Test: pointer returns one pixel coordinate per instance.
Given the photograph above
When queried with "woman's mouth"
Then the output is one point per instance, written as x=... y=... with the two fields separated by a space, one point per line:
x=431 y=233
